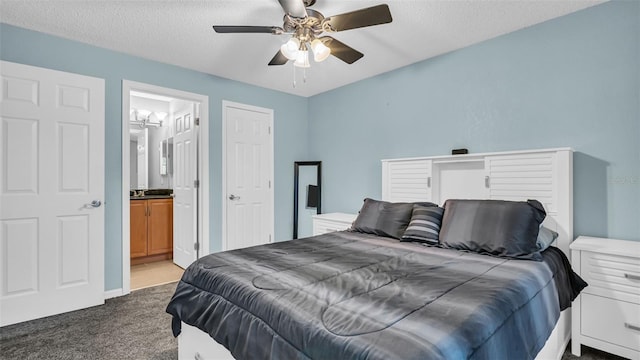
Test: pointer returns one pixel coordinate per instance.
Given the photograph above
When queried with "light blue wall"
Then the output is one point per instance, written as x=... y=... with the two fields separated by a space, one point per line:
x=37 y=49
x=573 y=81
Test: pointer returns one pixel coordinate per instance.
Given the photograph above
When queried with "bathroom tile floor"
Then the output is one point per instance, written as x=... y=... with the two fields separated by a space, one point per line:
x=153 y=274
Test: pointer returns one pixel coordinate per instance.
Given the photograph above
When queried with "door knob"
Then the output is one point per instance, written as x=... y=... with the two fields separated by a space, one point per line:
x=96 y=203
x=234 y=197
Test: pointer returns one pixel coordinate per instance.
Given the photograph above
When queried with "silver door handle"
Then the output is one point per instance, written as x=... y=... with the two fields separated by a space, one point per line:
x=631 y=326
x=631 y=276
x=234 y=197
x=96 y=203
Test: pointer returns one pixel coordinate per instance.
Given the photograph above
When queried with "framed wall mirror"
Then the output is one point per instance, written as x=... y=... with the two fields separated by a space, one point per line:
x=307 y=199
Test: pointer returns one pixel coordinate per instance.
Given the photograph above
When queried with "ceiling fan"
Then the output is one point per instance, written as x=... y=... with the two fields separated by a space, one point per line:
x=307 y=26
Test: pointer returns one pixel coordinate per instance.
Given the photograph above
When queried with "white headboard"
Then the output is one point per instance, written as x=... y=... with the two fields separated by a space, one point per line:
x=545 y=175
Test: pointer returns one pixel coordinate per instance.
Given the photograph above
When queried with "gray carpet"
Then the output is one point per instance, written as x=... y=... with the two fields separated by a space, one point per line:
x=129 y=327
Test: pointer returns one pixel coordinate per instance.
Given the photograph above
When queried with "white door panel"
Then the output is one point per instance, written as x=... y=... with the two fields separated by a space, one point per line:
x=185 y=194
x=52 y=155
x=249 y=174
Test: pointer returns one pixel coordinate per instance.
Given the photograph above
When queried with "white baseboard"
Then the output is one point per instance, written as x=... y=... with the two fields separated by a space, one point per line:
x=113 y=293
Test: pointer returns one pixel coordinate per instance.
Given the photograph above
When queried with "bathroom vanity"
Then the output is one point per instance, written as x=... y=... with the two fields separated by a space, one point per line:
x=151 y=219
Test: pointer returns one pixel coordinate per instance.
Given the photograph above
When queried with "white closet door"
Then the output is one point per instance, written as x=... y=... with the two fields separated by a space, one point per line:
x=248 y=175
x=51 y=189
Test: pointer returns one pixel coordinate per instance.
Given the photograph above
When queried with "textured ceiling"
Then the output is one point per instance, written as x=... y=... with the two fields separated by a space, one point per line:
x=179 y=32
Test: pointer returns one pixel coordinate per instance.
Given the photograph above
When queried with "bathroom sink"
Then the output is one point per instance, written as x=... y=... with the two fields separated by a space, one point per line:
x=147 y=197
x=151 y=194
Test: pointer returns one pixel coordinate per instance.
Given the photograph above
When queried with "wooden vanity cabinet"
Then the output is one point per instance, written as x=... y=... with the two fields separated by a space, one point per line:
x=138 y=224
x=160 y=226
x=151 y=235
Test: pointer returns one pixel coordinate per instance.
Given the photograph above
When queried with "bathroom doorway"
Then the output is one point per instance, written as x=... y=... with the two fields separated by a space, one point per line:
x=165 y=183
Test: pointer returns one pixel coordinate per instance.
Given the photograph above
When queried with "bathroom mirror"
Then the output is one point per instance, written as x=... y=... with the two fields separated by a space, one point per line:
x=139 y=158
x=151 y=158
x=307 y=199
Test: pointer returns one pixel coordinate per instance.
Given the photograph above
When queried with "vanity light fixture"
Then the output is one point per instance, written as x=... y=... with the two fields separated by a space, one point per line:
x=144 y=118
x=161 y=115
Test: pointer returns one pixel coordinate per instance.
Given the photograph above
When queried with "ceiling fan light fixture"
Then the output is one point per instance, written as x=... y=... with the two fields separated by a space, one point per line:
x=290 y=48
x=302 y=60
x=320 y=51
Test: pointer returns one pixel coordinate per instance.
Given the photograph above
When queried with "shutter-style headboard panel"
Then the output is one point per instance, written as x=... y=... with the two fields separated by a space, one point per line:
x=545 y=175
x=408 y=181
x=523 y=176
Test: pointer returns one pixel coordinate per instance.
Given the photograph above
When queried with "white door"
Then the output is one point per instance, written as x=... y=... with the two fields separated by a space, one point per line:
x=248 y=175
x=52 y=155
x=184 y=190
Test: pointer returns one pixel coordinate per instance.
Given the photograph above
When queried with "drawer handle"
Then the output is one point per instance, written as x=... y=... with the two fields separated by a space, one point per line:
x=631 y=276
x=631 y=326
x=197 y=356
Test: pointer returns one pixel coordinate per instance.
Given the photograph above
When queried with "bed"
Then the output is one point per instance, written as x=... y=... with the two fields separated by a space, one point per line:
x=366 y=294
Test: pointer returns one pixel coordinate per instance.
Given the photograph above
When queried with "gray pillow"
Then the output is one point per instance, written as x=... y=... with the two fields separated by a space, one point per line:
x=545 y=238
x=495 y=227
x=424 y=225
x=383 y=218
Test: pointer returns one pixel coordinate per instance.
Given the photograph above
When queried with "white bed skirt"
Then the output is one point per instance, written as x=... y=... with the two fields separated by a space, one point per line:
x=196 y=344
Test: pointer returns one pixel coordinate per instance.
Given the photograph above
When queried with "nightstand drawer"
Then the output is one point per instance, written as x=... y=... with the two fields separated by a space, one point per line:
x=323 y=227
x=611 y=276
x=614 y=321
x=326 y=223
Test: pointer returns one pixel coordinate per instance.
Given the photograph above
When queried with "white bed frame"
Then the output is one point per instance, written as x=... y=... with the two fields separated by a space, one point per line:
x=545 y=175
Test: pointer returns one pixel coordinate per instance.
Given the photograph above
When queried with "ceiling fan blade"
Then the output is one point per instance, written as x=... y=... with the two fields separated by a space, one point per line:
x=294 y=8
x=375 y=15
x=341 y=51
x=279 y=59
x=248 y=29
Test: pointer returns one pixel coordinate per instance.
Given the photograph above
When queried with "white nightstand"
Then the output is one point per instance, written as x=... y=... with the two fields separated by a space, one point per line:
x=606 y=315
x=330 y=222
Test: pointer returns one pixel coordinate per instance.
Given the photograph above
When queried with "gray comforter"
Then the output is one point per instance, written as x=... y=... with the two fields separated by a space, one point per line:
x=348 y=295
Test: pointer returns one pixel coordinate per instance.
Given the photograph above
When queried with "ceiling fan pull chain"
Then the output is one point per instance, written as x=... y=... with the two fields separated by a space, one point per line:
x=304 y=75
x=294 y=76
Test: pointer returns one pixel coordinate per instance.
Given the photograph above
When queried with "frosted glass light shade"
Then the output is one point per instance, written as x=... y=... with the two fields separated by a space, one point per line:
x=303 y=59
x=320 y=51
x=144 y=113
x=290 y=48
x=161 y=115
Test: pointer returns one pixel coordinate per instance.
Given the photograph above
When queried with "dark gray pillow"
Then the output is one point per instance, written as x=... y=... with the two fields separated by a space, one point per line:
x=495 y=227
x=383 y=218
x=424 y=225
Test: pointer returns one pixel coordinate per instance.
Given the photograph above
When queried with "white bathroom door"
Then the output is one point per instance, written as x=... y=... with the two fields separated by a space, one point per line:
x=51 y=192
x=248 y=175
x=184 y=189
